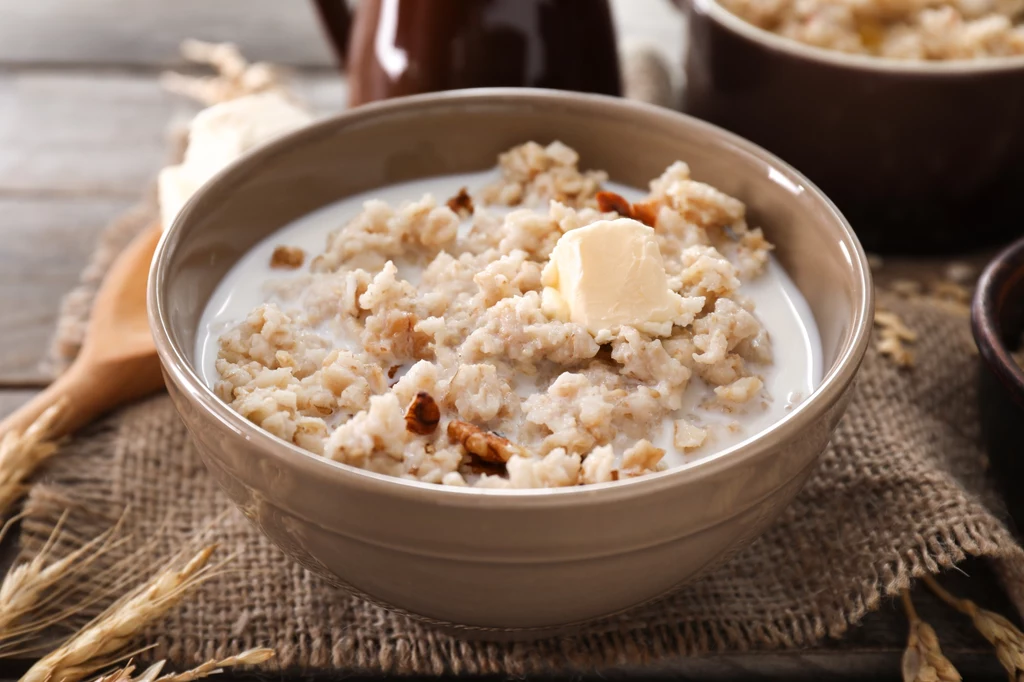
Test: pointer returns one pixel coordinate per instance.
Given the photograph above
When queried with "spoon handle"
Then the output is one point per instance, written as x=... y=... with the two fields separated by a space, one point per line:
x=87 y=390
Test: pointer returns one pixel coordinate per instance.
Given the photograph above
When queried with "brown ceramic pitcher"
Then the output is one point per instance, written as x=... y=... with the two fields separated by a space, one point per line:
x=403 y=47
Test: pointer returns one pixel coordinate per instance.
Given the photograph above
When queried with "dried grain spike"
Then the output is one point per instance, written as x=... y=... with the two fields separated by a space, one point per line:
x=907 y=288
x=235 y=76
x=461 y=204
x=112 y=631
x=486 y=445
x=288 y=257
x=923 y=660
x=423 y=414
x=1000 y=632
x=892 y=335
x=213 y=667
x=22 y=453
x=28 y=586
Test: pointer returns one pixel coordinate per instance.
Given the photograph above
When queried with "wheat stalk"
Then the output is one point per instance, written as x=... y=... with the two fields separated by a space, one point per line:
x=235 y=76
x=212 y=667
x=893 y=334
x=32 y=585
x=111 y=631
x=248 y=657
x=22 y=453
x=1001 y=633
x=923 y=660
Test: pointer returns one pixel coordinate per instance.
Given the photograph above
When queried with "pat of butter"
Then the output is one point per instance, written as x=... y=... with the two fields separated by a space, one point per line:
x=174 y=186
x=220 y=134
x=609 y=274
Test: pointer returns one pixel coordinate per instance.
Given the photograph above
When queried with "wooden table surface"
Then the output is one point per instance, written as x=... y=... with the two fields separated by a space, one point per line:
x=83 y=130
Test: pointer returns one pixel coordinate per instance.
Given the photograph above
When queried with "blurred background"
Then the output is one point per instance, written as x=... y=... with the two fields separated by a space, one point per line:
x=85 y=124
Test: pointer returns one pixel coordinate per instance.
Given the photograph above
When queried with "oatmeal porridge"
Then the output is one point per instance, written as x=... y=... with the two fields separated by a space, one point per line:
x=904 y=29
x=533 y=326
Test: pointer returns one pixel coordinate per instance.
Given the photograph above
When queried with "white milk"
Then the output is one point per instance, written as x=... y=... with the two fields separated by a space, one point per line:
x=796 y=346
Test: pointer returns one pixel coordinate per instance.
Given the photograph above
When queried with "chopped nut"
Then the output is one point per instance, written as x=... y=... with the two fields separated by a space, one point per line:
x=479 y=466
x=290 y=257
x=488 y=446
x=461 y=204
x=423 y=414
x=610 y=201
x=646 y=213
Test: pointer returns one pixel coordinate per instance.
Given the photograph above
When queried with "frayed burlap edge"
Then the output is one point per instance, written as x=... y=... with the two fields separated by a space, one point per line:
x=603 y=646
x=654 y=636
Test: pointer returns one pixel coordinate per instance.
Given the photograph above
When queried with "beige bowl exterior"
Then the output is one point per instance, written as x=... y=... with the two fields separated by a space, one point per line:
x=500 y=563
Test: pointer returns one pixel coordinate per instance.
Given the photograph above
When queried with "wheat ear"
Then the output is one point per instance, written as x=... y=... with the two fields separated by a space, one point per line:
x=1001 y=633
x=32 y=585
x=212 y=667
x=923 y=660
x=110 y=632
x=247 y=657
x=22 y=453
x=235 y=76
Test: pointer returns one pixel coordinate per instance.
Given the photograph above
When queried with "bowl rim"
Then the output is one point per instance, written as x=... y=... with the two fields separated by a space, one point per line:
x=830 y=390
x=887 y=65
x=985 y=323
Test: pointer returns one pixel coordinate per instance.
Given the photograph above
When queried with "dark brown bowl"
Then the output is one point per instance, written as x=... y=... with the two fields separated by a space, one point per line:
x=997 y=319
x=919 y=156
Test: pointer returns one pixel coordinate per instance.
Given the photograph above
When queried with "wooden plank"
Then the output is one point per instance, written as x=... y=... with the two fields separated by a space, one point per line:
x=44 y=244
x=83 y=134
x=148 y=32
x=99 y=134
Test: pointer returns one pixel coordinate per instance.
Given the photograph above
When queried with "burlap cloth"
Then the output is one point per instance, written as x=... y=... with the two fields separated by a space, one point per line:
x=900 y=491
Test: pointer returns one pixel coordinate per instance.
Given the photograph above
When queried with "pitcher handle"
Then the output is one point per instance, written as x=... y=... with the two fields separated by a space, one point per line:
x=336 y=20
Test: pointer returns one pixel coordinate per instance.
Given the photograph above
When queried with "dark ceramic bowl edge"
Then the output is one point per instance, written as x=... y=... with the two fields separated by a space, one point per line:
x=993 y=287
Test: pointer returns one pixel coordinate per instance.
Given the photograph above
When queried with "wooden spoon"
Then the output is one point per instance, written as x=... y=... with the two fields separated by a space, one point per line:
x=117 y=362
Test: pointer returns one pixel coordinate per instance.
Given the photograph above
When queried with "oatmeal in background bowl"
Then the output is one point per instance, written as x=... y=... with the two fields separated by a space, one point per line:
x=904 y=29
x=533 y=326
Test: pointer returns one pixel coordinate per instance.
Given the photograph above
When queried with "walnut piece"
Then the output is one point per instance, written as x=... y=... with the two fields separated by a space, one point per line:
x=290 y=257
x=423 y=414
x=610 y=201
x=461 y=204
x=646 y=213
x=488 y=446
